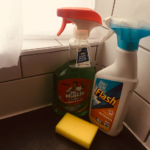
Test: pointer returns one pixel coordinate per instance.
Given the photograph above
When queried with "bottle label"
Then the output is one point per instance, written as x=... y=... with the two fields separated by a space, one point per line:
x=82 y=58
x=74 y=94
x=105 y=100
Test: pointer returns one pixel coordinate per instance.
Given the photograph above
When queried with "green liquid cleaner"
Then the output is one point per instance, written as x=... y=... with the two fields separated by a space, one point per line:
x=72 y=89
x=73 y=81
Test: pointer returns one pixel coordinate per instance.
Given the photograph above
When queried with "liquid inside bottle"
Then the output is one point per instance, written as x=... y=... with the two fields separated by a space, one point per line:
x=73 y=81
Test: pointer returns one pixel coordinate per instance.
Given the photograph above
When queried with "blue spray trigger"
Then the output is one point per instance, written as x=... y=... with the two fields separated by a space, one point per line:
x=127 y=37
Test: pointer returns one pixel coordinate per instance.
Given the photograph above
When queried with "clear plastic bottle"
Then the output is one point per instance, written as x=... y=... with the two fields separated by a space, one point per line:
x=73 y=81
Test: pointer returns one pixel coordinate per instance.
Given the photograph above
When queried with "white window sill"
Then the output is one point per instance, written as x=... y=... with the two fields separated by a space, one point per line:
x=43 y=46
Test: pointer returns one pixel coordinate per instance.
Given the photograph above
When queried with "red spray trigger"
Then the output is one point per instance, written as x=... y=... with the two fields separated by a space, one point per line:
x=63 y=25
x=83 y=18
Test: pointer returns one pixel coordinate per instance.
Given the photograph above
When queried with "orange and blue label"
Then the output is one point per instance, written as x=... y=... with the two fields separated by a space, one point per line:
x=105 y=100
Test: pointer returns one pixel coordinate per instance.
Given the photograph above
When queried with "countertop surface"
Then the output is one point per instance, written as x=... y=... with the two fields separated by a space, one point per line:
x=35 y=130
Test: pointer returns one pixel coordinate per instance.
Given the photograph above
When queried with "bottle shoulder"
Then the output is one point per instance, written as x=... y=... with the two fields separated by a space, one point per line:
x=74 y=41
x=70 y=69
x=110 y=73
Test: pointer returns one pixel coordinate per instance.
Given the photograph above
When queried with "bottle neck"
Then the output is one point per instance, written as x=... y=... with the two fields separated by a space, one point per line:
x=126 y=63
x=80 y=34
x=80 y=37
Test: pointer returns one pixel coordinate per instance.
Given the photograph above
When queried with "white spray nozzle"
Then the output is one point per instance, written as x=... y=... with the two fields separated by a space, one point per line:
x=110 y=32
x=129 y=31
x=107 y=21
x=107 y=36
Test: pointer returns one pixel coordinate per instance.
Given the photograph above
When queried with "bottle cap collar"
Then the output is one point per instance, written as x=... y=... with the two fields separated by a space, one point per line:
x=80 y=34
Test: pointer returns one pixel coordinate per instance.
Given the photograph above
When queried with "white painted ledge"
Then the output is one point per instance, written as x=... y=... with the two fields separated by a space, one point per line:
x=44 y=46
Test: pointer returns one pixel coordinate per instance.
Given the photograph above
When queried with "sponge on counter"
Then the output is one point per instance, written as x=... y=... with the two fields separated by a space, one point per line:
x=77 y=130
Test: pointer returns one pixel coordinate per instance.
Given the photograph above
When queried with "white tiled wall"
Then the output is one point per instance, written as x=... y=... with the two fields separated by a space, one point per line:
x=38 y=64
x=23 y=95
x=7 y=74
x=106 y=55
x=144 y=74
x=42 y=63
x=104 y=8
x=138 y=116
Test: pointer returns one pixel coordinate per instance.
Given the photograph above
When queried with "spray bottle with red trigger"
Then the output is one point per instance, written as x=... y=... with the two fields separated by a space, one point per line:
x=73 y=81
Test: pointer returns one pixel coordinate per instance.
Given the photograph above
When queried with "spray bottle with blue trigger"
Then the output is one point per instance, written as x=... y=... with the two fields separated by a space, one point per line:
x=114 y=85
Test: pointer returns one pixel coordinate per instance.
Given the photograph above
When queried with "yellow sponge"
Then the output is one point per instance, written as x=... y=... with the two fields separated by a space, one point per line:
x=77 y=130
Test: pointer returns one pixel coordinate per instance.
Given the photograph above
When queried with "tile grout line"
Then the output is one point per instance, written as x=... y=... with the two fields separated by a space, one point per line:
x=142 y=98
x=143 y=143
x=49 y=52
x=104 y=27
x=26 y=111
x=46 y=50
x=148 y=135
x=96 y=54
x=38 y=75
x=26 y=77
x=67 y=48
x=58 y=42
x=144 y=48
x=113 y=7
x=21 y=68
x=44 y=53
